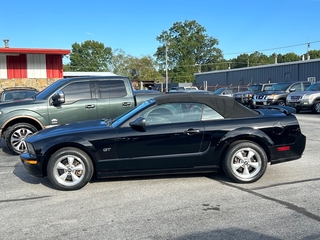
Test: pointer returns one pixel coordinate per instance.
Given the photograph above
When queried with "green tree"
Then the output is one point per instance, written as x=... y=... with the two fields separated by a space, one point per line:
x=90 y=56
x=141 y=69
x=241 y=61
x=144 y=69
x=314 y=54
x=120 y=62
x=288 y=57
x=188 y=48
x=258 y=59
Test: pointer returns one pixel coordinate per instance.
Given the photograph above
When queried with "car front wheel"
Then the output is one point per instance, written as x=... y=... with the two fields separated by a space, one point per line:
x=69 y=169
x=316 y=107
x=16 y=135
x=245 y=162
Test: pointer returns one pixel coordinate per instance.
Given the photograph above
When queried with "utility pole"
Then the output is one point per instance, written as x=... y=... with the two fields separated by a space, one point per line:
x=167 y=45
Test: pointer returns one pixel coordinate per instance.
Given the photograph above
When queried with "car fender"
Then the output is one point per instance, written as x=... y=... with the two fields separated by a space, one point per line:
x=68 y=141
x=244 y=133
x=24 y=115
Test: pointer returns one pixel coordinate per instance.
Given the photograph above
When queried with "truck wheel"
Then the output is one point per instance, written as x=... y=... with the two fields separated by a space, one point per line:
x=245 y=162
x=281 y=103
x=69 y=169
x=316 y=107
x=16 y=135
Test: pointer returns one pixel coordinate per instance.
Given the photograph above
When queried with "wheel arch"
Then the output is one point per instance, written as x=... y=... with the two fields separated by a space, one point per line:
x=260 y=139
x=16 y=120
x=51 y=150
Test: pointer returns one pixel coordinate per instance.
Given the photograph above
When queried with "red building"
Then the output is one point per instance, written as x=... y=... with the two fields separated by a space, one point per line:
x=18 y=63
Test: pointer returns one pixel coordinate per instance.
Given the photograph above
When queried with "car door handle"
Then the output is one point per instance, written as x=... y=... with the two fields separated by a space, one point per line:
x=126 y=104
x=90 y=106
x=192 y=131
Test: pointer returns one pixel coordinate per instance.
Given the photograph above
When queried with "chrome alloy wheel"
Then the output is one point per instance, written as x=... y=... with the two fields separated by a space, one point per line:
x=18 y=138
x=69 y=170
x=246 y=163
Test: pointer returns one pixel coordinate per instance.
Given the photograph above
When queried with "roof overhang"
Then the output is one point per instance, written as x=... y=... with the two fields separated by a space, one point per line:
x=11 y=51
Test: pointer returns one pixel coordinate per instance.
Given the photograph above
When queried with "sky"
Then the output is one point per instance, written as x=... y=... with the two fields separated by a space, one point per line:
x=240 y=26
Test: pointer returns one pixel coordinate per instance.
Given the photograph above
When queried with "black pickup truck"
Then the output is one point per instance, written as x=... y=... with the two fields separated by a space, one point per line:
x=65 y=101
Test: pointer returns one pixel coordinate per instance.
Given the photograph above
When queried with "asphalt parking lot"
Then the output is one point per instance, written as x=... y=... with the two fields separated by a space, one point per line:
x=284 y=204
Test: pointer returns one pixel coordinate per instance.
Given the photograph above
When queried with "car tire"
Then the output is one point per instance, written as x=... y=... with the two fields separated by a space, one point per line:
x=281 y=103
x=245 y=162
x=316 y=107
x=69 y=169
x=15 y=137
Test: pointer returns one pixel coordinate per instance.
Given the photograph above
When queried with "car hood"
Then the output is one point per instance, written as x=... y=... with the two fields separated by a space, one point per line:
x=303 y=93
x=245 y=92
x=71 y=129
x=270 y=92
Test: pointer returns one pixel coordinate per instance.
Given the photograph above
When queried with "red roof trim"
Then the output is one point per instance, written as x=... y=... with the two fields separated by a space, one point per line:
x=34 y=51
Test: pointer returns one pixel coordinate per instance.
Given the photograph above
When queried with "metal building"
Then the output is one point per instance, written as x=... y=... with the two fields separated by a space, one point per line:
x=307 y=70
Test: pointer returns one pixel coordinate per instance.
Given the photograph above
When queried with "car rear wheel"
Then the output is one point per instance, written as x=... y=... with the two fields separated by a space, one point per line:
x=245 y=162
x=316 y=107
x=69 y=169
x=16 y=135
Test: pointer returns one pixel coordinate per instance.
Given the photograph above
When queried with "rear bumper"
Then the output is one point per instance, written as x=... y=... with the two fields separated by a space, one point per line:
x=295 y=152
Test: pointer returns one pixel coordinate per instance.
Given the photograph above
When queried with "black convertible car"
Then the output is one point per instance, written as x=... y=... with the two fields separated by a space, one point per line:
x=173 y=133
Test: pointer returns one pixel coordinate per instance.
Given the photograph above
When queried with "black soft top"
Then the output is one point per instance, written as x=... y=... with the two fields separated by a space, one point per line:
x=225 y=106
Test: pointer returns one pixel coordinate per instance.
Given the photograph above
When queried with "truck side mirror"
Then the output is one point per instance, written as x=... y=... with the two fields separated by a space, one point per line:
x=58 y=98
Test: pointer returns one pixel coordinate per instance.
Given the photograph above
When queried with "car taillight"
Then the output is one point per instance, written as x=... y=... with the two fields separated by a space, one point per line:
x=284 y=148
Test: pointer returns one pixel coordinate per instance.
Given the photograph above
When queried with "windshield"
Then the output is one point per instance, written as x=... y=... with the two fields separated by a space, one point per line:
x=52 y=88
x=124 y=117
x=220 y=90
x=280 y=87
x=314 y=87
x=255 y=88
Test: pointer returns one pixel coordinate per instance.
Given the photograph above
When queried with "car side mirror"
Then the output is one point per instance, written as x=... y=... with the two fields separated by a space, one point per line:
x=139 y=122
x=58 y=98
x=292 y=90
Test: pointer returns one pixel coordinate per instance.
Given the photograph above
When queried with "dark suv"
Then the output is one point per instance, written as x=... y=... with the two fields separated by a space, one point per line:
x=17 y=93
x=245 y=97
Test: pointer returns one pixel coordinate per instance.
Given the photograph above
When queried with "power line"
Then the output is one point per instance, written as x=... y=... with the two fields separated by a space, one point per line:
x=269 y=49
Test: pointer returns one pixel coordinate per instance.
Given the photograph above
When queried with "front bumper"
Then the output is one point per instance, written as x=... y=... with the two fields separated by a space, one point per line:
x=33 y=169
x=302 y=104
x=264 y=103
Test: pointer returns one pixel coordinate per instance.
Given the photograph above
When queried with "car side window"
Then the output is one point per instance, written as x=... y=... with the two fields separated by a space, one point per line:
x=297 y=87
x=210 y=114
x=112 y=89
x=77 y=91
x=306 y=85
x=160 y=114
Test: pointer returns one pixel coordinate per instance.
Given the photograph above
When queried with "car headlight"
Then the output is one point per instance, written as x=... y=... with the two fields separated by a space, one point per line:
x=308 y=97
x=31 y=149
x=271 y=96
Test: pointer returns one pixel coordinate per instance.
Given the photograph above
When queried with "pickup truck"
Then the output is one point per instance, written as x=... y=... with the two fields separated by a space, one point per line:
x=306 y=100
x=278 y=93
x=64 y=101
x=245 y=97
